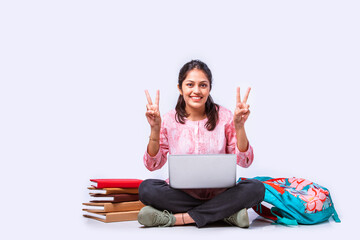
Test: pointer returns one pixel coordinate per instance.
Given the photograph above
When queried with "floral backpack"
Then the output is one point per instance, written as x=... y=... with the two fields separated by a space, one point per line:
x=295 y=201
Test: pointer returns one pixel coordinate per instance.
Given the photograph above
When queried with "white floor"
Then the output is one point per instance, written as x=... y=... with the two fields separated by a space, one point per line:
x=259 y=228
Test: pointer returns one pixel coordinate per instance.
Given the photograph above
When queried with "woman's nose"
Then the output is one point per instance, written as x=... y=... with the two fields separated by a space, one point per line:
x=196 y=89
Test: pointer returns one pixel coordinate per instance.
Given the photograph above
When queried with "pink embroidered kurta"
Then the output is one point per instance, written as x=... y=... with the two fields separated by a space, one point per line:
x=193 y=138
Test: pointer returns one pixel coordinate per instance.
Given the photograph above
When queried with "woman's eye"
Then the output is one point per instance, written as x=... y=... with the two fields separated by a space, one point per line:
x=189 y=84
x=203 y=85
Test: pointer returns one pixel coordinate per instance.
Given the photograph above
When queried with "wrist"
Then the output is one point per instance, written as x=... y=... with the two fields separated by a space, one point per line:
x=154 y=134
x=239 y=126
x=157 y=139
x=155 y=129
x=243 y=148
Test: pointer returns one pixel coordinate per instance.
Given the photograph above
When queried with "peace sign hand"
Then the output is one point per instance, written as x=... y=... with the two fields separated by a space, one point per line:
x=242 y=111
x=153 y=114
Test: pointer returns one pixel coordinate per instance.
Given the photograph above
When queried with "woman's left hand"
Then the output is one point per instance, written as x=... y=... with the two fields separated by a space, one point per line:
x=242 y=111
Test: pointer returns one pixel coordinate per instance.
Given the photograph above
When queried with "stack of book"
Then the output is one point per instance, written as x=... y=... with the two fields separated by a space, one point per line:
x=113 y=200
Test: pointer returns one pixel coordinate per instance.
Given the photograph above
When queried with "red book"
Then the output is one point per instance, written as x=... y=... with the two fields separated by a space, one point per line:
x=116 y=183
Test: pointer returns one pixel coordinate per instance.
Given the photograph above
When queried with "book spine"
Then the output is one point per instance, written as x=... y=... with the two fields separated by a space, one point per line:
x=123 y=207
x=124 y=216
x=116 y=184
x=123 y=190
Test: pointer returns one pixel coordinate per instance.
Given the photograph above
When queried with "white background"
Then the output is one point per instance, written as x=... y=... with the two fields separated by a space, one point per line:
x=72 y=102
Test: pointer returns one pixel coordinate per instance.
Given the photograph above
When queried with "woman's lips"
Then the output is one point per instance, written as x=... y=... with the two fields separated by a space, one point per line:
x=196 y=99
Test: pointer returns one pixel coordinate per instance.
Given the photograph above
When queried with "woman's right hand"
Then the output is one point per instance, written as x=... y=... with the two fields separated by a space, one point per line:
x=153 y=114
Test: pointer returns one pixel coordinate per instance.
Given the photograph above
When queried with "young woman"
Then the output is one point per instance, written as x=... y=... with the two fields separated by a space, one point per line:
x=197 y=126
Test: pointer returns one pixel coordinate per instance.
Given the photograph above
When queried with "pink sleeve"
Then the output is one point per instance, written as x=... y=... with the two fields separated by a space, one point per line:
x=244 y=159
x=156 y=162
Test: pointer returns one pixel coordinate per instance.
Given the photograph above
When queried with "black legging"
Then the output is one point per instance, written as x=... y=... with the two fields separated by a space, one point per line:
x=158 y=194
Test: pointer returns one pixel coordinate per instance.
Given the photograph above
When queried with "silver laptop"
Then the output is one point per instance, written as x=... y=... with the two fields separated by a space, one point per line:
x=202 y=171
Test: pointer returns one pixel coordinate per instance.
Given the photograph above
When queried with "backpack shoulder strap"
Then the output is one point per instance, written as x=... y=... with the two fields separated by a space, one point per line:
x=271 y=214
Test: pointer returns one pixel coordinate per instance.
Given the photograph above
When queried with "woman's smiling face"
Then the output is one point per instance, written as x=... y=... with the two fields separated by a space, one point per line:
x=195 y=89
